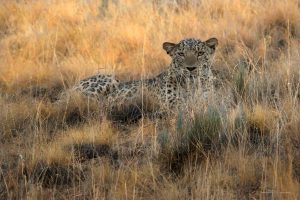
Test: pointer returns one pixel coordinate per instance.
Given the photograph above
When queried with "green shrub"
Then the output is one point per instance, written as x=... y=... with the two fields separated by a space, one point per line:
x=204 y=130
x=193 y=138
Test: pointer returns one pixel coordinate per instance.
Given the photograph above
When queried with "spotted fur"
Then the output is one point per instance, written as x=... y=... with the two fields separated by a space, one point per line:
x=189 y=70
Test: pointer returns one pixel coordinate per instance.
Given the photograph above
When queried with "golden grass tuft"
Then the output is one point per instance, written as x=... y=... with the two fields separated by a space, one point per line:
x=263 y=118
x=60 y=150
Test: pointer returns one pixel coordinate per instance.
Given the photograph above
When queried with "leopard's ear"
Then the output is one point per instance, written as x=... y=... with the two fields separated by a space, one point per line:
x=212 y=43
x=168 y=46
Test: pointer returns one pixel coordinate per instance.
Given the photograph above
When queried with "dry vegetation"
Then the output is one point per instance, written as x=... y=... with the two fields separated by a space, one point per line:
x=243 y=145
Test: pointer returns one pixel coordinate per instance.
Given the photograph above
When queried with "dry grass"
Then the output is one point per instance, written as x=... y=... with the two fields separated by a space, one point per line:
x=243 y=144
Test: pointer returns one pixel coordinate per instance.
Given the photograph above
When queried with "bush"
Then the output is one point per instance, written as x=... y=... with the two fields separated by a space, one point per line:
x=193 y=139
x=204 y=132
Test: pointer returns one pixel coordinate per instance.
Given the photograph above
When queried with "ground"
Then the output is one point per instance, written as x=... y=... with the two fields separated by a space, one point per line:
x=244 y=144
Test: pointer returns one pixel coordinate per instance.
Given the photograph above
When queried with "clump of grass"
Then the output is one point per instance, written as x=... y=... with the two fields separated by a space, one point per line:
x=279 y=28
x=62 y=149
x=242 y=174
x=196 y=138
x=205 y=130
x=71 y=110
x=56 y=175
x=24 y=115
x=254 y=127
x=292 y=138
x=237 y=128
x=129 y=181
x=16 y=118
x=144 y=104
x=263 y=119
x=240 y=84
x=53 y=165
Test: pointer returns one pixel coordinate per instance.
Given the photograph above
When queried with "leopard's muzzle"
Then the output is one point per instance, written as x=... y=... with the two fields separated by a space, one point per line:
x=190 y=61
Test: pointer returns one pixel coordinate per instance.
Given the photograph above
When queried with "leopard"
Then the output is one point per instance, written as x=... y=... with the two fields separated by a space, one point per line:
x=190 y=69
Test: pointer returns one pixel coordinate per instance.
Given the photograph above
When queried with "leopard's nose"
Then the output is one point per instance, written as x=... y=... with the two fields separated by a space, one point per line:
x=190 y=59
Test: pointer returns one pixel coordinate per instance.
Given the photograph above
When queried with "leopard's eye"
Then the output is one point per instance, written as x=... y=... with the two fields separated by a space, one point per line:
x=180 y=54
x=200 y=53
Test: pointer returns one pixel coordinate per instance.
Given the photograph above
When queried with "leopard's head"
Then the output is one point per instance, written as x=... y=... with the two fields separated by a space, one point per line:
x=191 y=54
